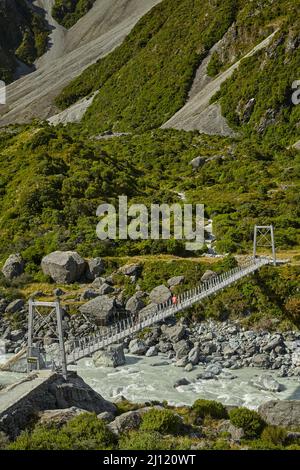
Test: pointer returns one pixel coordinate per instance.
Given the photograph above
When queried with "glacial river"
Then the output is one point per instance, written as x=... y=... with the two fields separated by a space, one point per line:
x=141 y=380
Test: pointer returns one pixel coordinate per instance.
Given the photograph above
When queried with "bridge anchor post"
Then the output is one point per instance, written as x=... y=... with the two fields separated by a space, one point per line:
x=264 y=237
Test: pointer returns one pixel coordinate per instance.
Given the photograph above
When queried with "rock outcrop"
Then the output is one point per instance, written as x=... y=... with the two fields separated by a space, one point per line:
x=113 y=356
x=46 y=392
x=13 y=266
x=101 y=308
x=284 y=413
x=64 y=267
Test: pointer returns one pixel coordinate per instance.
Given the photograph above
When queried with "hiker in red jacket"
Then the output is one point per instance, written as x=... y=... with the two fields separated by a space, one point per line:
x=174 y=300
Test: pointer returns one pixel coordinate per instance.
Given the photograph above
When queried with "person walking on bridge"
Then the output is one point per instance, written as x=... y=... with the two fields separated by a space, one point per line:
x=174 y=300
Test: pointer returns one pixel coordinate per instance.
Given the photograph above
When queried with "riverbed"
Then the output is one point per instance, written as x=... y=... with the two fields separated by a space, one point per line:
x=146 y=378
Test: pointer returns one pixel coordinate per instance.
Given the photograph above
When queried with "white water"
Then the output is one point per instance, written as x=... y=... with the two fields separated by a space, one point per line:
x=140 y=381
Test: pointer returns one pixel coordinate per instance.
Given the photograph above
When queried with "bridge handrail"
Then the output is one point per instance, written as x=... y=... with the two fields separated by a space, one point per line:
x=127 y=326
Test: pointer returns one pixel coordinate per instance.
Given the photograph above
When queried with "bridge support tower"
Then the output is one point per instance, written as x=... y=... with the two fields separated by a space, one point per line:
x=37 y=320
x=264 y=237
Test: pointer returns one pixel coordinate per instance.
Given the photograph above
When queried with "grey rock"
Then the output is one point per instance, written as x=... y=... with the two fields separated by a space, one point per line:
x=135 y=304
x=175 y=281
x=182 y=362
x=214 y=369
x=160 y=294
x=181 y=382
x=209 y=348
x=208 y=275
x=130 y=269
x=165 y=346
x=236 y=433
x=16 y=335
x=95 y=267
x=59 y=417
x=126 y=422
x=189 y=367
x=206 y=376
x=112 y=356
x=194 y=355
x=261 y=360
x=182 y=348
x=147 y=311
x=63 y=266
x=58 y=292
x=98 y=282
x=15 y=306
x=267 y=382
x=152 y=351
x=54 y=393
x=13 y=266
x=88 y=294
x=175 y=333
x=106 y=416
x=273 y=343
x=197 y=162
x=106 y=289
x=284 y=413
x=102 y=309
x=138 y=347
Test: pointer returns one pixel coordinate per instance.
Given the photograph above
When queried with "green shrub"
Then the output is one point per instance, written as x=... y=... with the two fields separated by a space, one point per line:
x=145 y=440
x=163 y=421
x=274 y=434
x=260 y=444
x=85 y=432
x=249 y=420
x=209 y=408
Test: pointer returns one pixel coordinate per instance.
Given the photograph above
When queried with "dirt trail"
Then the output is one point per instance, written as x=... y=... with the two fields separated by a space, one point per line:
x=101 y=30
x=197 y=113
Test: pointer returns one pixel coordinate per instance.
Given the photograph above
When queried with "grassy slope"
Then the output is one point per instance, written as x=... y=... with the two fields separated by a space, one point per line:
x=57 y=178
x=148 y=77
x=54 y=179
x=146 y=80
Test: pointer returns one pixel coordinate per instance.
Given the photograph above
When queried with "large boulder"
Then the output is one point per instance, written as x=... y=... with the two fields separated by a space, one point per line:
x=13 y=266
x=175 y=333
x=113 y=356
x=135 y=303
x=138 y=347
x=175 y=281
x=284 y=413
x=181 y=348
x=267 y=382
x=208 y=275
x=102 y=309
x=59 y=417
x=64 y=266
x=95 y=267
x=126 y=422
x=261 y=360
x=147 y=311
x=160 y=294
x=130 y=269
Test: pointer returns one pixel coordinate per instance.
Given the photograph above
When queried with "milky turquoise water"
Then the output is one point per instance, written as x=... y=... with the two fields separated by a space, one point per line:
x=141 y=380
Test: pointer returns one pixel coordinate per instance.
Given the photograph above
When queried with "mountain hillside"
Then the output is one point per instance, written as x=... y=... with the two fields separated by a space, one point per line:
x=100 y=31
x=145 y=81
x=23 y=36
x=160 y=62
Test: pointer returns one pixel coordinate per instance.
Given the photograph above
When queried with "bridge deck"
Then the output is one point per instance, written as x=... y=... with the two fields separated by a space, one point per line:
x=124 y=328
